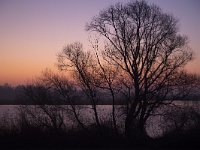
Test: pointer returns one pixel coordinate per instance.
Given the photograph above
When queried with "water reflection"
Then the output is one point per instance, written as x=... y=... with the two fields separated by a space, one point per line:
x=10 y=113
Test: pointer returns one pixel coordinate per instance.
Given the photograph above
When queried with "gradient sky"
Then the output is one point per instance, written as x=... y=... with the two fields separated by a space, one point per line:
x=32 y=32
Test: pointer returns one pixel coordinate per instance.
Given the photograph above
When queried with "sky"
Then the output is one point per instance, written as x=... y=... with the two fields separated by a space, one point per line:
x=32 y=32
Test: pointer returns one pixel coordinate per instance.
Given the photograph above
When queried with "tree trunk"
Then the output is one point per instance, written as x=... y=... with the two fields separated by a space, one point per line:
x=133 y=129
x=96 y=115
x=113 y=111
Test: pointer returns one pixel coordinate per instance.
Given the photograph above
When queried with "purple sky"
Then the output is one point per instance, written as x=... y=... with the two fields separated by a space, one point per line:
x=32 y=32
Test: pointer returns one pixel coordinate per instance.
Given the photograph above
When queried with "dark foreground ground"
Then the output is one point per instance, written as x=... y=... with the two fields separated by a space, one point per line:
x=34 y=139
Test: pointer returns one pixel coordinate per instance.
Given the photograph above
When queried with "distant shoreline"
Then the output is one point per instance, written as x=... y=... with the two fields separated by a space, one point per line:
x=9 y=102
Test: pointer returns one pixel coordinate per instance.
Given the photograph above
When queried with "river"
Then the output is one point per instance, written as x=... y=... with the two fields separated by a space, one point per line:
x=10 y=113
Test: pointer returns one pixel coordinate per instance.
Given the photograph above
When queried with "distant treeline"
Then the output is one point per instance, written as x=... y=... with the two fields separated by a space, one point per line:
x=17 y=95
x=10 y=95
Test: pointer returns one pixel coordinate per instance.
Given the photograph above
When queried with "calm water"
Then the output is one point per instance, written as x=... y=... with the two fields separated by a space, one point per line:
x=86 y=114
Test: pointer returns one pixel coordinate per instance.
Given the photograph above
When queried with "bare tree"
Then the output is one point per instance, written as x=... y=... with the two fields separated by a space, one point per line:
x=106 y=77
x=66 y=90
x=83 y=67
x=145 y=43
x=41 y=114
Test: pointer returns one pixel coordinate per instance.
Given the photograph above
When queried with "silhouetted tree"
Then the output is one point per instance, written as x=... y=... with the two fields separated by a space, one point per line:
x=66 y=90
x=144 y=42
x=40 y=113
x=106 y=77
x=82 y=64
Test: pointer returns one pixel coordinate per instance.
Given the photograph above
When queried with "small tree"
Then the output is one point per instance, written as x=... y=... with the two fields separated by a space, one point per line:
x=66 y=92
x=83 y=67
x=40 y=113
x=144 y=42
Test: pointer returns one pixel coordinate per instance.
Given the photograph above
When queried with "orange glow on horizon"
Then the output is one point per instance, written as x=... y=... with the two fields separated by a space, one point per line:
x=24 y=73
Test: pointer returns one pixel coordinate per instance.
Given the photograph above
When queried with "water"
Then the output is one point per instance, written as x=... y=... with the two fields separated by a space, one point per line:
x=11 y=113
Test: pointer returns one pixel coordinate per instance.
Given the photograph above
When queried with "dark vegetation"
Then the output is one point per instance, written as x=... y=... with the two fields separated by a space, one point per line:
x=180 y=127
x=140 y=65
